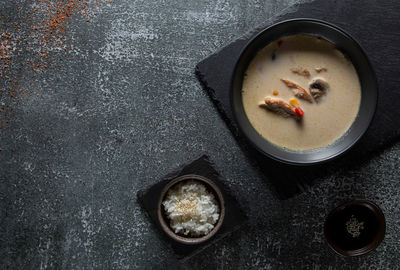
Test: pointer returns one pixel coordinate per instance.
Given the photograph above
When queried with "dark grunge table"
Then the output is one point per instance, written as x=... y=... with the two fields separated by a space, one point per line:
x=120 y=109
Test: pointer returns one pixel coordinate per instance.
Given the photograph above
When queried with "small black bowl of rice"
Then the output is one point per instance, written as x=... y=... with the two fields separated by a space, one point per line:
x=191 y=209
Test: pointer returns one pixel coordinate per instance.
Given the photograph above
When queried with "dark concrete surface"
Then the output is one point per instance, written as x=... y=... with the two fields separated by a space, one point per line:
x=124 y=110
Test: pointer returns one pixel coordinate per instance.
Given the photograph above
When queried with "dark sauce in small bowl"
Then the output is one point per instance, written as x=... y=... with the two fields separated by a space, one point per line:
x=355 y=228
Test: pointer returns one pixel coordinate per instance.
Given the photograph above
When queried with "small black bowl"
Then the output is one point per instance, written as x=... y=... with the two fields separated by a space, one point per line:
x=355 y=228
x=164 y=221
x=346 y=44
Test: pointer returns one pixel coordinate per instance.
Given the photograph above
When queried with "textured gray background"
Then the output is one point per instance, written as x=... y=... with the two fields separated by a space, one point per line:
x=123 y=111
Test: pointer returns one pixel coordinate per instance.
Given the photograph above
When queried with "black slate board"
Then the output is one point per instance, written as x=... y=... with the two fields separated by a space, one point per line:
x=234 y=216
x=375 y=25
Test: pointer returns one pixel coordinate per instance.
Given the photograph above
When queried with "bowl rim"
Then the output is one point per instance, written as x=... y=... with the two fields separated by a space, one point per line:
x=334 y=155
x=219 y=198
x=378 y=237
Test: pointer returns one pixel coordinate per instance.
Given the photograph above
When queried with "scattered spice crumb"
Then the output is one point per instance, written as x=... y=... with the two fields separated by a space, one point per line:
x=275 y=93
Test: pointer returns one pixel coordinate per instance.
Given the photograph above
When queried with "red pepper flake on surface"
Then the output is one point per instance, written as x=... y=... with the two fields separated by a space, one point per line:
x=39 y=29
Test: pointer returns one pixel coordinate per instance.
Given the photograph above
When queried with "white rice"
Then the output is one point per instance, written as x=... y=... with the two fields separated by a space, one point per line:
x=191 y=209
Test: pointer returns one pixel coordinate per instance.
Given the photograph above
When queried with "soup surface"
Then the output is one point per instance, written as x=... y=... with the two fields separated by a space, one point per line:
x=312 y=64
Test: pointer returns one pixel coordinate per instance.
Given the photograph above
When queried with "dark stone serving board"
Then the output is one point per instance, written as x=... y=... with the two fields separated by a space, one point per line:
x=375 y=25
x=234 y=216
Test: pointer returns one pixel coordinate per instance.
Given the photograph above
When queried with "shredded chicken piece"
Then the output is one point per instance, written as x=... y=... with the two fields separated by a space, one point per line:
x=299 y=92
x=301 y=72
x=320 y=69
x=279 y=106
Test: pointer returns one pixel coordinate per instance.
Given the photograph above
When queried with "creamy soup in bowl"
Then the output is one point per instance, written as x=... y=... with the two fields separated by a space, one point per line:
x=303 y=92
x=329 y=101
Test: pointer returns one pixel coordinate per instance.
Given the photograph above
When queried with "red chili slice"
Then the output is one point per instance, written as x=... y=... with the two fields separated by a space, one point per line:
x=299 y=111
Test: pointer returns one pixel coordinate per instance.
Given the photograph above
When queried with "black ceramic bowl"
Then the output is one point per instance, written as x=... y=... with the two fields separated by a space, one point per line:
x=342 y=41
x=355 y=228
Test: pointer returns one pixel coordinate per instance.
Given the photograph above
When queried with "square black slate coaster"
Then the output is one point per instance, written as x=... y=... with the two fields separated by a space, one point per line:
x=374 y=24
x=234 y=216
